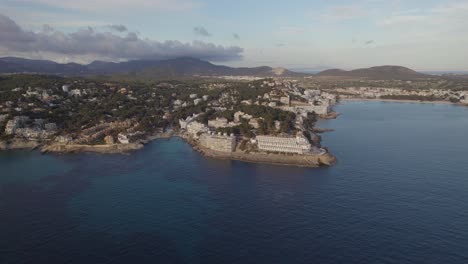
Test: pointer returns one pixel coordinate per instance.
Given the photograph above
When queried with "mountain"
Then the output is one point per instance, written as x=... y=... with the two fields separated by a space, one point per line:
x=149 y=68
x=20 y=65
x=377 y=73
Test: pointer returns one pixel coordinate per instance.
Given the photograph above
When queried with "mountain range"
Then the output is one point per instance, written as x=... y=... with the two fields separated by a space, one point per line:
x=378 y=73
x=185 y=67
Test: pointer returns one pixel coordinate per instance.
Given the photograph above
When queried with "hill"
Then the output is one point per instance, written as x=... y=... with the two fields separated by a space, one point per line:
x=377 y=73
x=149 y=68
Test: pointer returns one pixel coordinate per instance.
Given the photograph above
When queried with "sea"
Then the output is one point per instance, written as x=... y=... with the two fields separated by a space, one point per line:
x=398 y=194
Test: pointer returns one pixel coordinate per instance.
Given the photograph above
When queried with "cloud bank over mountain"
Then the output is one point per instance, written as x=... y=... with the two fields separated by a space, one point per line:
x=94 y=44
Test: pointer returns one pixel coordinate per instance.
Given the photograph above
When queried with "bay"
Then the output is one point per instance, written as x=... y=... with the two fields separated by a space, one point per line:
x=397 y=195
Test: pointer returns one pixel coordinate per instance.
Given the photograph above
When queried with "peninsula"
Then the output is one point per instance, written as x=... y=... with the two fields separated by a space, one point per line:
x=264 y=120
x=261 y=115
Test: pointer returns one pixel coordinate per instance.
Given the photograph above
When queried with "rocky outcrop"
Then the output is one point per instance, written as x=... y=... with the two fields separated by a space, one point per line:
x=105 y=149
x=18 y=144
x=312 y=161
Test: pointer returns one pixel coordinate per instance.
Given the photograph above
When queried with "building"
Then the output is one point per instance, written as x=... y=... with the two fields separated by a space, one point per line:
x=218 y=122
x=75 y=92
x=66 y=88
x=255 y=122
x=272 y=104
x=109 y=140
x=178 y=102
x=295 y=145
x=11 y=126
x=309 y=94
x=285 y=100
x=320 y=108
x=241 y=115
x=14 y=124
x=123 y=138
x=51 y=127
x=218 y=142
x=3 y=118
x=197 y=101
x=64 y=139
x=184 y=123
x=196 y=127
x=465 y=99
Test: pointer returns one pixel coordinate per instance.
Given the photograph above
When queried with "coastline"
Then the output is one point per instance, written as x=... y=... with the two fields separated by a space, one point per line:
x=17 y=144
x=103 y=149
x=310 y=161
x=357 y=99
x=47 y=147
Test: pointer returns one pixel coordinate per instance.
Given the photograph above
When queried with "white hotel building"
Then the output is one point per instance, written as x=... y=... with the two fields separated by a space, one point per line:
x=295 y=145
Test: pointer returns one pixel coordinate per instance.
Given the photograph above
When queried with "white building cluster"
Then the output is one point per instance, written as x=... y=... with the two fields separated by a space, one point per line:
x=218 y=142
x=23 y=126
x=376 y=93
x=294 y=145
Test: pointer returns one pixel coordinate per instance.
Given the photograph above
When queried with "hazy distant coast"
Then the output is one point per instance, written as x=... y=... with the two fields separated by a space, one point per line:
x=394 y=101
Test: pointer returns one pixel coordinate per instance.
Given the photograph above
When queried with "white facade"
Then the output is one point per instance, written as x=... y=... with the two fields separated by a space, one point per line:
x=66 y=88
x=123 y=139
x=196 y=127
x=295 y=145
x=239 y=115
x=197 y=101
x=218 y=142
x=218 y=122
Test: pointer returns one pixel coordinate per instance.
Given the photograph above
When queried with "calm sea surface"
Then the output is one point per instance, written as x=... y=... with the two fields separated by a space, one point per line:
x=399 y=194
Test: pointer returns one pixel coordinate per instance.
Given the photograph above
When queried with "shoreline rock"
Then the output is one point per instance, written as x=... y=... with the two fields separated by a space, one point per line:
x=103 y=149
x=310 y=161
x=18 y=144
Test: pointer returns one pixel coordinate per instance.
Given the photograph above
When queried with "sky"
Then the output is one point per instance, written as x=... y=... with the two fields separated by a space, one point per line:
x=296 y=34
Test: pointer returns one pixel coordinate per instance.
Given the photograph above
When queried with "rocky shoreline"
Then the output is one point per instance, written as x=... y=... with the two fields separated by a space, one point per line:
x=17 y=144
x=103 y=149
x=311 y=161
x=46 y=147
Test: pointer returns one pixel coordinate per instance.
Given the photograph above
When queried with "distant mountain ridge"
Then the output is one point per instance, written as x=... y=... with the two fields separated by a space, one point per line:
x=185 y=66
x=379 y=73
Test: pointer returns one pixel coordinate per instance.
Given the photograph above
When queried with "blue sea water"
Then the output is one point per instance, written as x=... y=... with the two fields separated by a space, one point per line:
x=399 y=194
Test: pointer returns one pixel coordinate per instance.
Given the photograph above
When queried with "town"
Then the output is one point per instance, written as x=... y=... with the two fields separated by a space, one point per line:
x=236 y=118
x=257 y=116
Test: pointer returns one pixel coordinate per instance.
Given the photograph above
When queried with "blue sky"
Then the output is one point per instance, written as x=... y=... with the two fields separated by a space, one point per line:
x=425 y=35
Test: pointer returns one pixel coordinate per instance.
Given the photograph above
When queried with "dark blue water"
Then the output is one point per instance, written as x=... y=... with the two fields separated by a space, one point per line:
x=399 y=194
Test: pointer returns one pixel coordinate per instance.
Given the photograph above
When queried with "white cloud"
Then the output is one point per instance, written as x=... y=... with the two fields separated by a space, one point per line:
x=103 y=45
x=402 y=19
x=106 y=5
x=337 y=13
x=290 y=30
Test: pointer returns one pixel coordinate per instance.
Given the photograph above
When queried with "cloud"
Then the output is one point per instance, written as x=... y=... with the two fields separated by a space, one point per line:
x=287 y=30
x=91 y=43
x=118 y=28
x=236 y=36
x=98 y=5
x=402 y=19
x=201 y=31
x=338 y=13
